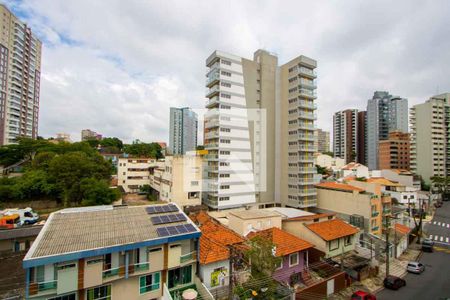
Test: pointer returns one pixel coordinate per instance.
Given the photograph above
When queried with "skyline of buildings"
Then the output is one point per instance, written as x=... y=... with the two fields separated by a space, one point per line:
x=182 y=130
x=20 y=71
x=394 y=153
x=322 y=140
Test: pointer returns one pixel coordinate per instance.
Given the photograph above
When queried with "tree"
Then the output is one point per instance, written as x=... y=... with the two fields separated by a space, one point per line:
x=329 y=153
x=97 y=192
x=200 y=147
x=111 y=142
x=69 y=169
x=138 y=148
x=321 y=170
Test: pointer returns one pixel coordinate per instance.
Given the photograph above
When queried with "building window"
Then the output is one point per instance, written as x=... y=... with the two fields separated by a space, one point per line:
x=226 y=62
x=149 y=283
x=334 y=244
x=65 y=297
x=348 y=240
x=179 y=276
x=279 y=265
x=99 y=293
x=225 y=73
x=293 y=259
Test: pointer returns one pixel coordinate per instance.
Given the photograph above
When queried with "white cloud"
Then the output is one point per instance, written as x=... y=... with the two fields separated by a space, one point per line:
x=117 y=67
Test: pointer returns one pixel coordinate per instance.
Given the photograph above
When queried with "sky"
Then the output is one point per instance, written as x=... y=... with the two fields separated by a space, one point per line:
x=117 y=66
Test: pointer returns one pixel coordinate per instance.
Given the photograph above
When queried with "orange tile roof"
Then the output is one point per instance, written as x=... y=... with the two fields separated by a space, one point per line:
x=402 y=229
x=332 y=229
x=211 y=251
x=285 y=243
x=339 y=186
x=200 y=217
x=311 y=217
x=351 y=166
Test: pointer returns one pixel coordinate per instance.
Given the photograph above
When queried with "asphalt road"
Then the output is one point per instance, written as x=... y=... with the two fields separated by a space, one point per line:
x=434 y=283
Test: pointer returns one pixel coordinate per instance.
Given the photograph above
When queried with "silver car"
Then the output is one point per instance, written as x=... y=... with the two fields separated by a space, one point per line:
x=415 y=267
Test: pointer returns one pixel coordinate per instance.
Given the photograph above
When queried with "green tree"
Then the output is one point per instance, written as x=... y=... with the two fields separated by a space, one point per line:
x=138 y=148
x=42 y=160
x=200 y=147
x=97 y=192
x=321 y=170
x=111 y=142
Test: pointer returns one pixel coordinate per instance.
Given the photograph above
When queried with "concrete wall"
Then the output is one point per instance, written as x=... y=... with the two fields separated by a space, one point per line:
x=205 y=272
x=244 y=226
x=284 y=273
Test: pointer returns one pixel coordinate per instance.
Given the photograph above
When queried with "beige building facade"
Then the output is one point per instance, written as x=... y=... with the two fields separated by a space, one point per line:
x=430 y=137
x=134 y=172
x=245 y=221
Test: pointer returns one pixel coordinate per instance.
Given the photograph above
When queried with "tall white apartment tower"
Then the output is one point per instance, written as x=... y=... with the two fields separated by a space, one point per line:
x=430 y=137
x=183 y=130
x=251 y=108
x=20 y=68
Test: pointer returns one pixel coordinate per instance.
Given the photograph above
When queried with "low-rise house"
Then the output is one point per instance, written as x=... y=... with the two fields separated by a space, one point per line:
x=329 y=235
x=18 y=239
x=245 y=221
x=356 y=205
x=178 y=179
x=354 y=169
x=329 y=162
x=292 y=250
x=403 y=177
x=134 y=172
x=403 y=195
x=107 y=252
x=401 y=238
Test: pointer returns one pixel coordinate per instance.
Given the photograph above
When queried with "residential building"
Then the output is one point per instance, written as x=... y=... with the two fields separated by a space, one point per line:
x=63 y=137
x=298 y=123
x=403 y=177
x=361 y=150
x=329 y=162
x=245 y=221
x=345 y=134
x=356 y=205
x=293 y=252
x=18 y=239
x=87 y=134
x=323 y=140
x=402 y=194
x=20 y=71
x=331 y=236
x=215 y=244
x=353 y=170
x=145 y=256
x=430 y=137
x=385 y=113
x=134 y=172
x=394 y=153
x=178 y=179
x=183 y=130
x=259 y=130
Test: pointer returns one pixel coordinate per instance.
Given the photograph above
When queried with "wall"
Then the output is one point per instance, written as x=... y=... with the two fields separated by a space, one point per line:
x=284 y=274
x=206 y=270
x=243 y=226
x=344 y=202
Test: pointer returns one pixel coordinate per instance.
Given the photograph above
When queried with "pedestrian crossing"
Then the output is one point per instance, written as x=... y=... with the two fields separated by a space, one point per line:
x=442 y=224
x=439 y=238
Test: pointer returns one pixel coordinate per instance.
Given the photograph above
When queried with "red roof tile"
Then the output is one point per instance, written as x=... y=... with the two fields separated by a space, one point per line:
x=332 y=229
x=400 y=228
x=339 y=186
x=285 y=243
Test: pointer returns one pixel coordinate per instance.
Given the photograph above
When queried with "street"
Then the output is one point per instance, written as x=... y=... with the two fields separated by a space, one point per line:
x=433 y=283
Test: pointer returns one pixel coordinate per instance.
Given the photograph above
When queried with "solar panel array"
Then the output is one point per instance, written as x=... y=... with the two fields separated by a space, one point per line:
x=174 y=230
x=161 y=209
x=163 y=219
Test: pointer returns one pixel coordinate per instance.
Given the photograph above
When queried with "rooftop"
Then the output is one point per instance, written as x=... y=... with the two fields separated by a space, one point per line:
x=20 y=232
x=383 y=181
x=311 y=217
x=339 y=187
x=254 y=214
x=289 y=212
x=352 y=165
x=332 y=229
x=98 y=230
x=285 y=243
x=402 y=229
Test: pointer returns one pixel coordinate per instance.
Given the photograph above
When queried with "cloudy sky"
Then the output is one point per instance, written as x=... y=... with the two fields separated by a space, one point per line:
x=116 y=66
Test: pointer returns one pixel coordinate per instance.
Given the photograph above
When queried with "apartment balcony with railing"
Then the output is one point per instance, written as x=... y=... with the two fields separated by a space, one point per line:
x=212 y=91
x=307 y=93
x=307 y=104
x=307 y=72
x=213 y=77
x=213 y=102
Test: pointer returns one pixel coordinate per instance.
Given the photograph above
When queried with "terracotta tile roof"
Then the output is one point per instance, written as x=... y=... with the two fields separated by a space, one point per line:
x=215 y=239
x=311 y=217
x=339 y=186
x=351 y=166
x=400 y=228
x=332 y=229
x=285 y=243
x=382 y=181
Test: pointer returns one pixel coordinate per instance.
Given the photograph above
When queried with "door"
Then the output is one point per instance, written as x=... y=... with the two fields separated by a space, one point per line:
x=330 y=287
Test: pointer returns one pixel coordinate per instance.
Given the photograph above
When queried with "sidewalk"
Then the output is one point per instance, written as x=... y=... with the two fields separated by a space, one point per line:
x=373 y=285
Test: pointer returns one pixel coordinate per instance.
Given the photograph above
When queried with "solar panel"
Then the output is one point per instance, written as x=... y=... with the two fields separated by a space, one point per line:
x=190 y=227
x=174 y=230
x=150 y=210
x=181 y=229
x=163 y=219
x=162 y=232
x=161 y=209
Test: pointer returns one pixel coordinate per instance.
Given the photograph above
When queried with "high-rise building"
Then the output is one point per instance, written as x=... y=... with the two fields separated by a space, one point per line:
x=385 y=113
x=87 y=134
x=361 y=150
x=259 y=130
x=345 y=134
x=183 y=130
x=322 y=140
x=20 y=69
x=394 y=153
x=430 y=137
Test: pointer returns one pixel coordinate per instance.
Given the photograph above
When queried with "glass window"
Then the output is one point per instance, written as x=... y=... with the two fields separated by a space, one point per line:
x=99 y=293
x=293 y=259
x=149 y=283
x=179 y=276
x=65 y=297
x=348 y=240
x=334 y=244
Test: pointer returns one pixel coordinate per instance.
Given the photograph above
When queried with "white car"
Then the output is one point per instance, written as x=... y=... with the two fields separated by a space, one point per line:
x=415 y=267
x=27 y=215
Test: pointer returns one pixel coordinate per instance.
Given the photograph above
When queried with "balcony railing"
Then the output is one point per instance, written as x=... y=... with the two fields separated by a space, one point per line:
x=111 y=272
x=149 y=288
x=188 y=257
x=141 y=266
x=47 y=285
x=375 y=228
x=375 y=214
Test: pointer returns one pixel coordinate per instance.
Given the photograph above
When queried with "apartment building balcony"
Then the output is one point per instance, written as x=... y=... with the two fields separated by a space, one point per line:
x=212 y=91
x=306 y=126
x=306 y=181
x=211 y=145
x=188 y=257
x=307 y=72
x=305 y=158
x=307 y=192
x=212 y=168
x=306 y=170
x=212 y=135
x=306 y=148
x=306 y=137
x=307 y=94
x=213 y=78
x=307 y=104
x=307 y=116
x=212 y=113
x=307 y=84
x=375 y=214
x=212 y=102
x=211 y=156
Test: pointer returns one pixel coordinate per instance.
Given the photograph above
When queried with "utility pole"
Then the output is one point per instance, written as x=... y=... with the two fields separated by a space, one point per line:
x=230 y=284
x=419 y=233
x=386 y=228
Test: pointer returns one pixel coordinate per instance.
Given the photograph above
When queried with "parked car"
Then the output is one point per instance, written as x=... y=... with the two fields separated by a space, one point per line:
x=427 y=245
x=393 y=282
x=361 y=295
x=27 y=215
x=438 y=204
x=10 y=221
x=415 y=267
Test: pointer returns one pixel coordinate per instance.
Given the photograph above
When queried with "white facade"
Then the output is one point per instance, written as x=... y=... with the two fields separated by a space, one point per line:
x=215 y=275
x=327 y=161
x=134 y=173
x=229 y=167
